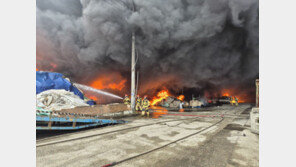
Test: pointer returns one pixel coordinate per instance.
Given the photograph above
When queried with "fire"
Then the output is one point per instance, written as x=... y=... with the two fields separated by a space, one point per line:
x=159 y=97
x=162 y=95
x=37 y=69
x=233 y=101
x=111 y=81
x=228 y=92
x=94 y=98
x=225 y=94
x=181 y=97
x=118 y=86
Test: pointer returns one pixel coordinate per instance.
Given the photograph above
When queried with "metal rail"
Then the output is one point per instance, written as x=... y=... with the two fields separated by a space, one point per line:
x=163 y=146
x=78 y=138
x=48 y=138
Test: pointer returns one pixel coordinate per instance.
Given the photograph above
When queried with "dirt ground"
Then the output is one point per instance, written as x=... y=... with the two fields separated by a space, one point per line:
x=229 y=143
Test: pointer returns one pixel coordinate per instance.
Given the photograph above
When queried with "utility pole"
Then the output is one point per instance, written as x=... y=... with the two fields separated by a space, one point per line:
x=133 y=70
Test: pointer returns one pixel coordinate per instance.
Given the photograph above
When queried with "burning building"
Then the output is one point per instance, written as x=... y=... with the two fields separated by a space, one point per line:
x=201 y=47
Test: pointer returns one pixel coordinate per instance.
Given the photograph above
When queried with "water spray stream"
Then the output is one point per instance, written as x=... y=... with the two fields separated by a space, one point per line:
x=88 y=88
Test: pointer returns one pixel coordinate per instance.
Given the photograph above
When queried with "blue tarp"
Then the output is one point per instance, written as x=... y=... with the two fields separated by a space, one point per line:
x=52 y=80
x=91 y=102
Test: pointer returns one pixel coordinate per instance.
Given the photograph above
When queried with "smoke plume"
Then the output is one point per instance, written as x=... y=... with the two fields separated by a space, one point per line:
x=198 y=44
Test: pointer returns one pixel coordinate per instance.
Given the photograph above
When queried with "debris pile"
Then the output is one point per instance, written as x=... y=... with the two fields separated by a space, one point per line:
x=171 y=102
x=56 y=92
x=165 y=99
x=58 y=99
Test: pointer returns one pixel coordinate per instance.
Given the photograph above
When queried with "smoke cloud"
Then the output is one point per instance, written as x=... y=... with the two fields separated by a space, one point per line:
x=180 y=43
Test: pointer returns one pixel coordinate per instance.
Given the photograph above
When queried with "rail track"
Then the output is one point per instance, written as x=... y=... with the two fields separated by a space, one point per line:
x=163 y=146
x=79 y=131
x=175 y=141
x=49 y=138
x=221 y=115
x=114 y=131
x=94 y=135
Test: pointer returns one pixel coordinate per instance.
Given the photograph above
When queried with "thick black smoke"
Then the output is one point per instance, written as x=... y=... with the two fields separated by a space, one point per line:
x=193 y=43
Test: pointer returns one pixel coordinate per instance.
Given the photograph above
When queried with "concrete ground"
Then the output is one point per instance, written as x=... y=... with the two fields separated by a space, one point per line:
x=229 y=143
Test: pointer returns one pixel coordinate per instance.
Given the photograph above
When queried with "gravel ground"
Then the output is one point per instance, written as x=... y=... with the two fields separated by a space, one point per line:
x=229 y=143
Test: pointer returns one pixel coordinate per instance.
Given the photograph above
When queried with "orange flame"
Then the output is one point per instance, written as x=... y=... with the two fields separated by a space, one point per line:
x=110 y=81
x=159 y=97
x=227 y=92
x=94 y=98
x=181 y=97
x=233 y=100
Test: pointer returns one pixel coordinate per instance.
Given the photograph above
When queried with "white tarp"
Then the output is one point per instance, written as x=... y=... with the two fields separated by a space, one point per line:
x=58 y=99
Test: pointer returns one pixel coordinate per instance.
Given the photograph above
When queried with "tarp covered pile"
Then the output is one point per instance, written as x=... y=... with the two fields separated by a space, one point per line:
x=55 y=92
x=51 y=80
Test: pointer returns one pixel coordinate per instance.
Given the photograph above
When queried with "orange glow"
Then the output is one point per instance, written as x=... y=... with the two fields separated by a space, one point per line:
x=162 y=95
x=37 y=69
x=181 y=97
x=159 y=97
x=111 y=81
x=225 y=94
x=158 y=111
x=94 y=98
x=228 y=92
x=233 y=101
x=157 y=114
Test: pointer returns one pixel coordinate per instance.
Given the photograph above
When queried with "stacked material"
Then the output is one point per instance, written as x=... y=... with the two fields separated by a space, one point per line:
x=97 y=110
x=58 y=99
x=171 y=102
x=196 y=103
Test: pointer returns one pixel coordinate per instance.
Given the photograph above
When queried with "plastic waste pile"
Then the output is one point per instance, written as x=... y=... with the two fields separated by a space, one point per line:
x=55 y=92
x=58 y=99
